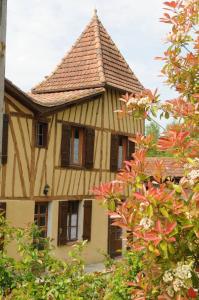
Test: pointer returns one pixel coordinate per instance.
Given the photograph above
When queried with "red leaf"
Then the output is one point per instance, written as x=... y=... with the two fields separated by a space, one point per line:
x=170 y=228
x=139 y=196
x=171 y=4
x=191 y=293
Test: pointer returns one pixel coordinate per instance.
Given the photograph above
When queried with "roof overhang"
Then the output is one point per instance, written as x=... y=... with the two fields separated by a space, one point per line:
x=38 y=108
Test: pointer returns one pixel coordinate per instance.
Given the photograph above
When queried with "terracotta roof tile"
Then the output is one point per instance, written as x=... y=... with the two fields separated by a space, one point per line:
x=56 y=99
x=93 y=61
x=170 y=165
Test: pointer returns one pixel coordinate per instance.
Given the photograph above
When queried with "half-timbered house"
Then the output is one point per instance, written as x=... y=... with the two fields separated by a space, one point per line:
x=64 y=138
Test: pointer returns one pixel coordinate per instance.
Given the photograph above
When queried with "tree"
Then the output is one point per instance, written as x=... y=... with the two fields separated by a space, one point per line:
x=154 y=130
x=162 y=220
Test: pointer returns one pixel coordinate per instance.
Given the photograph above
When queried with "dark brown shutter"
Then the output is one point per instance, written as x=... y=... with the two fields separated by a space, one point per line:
x=131 y=149
x=89 y=147
x=5 y=139
x=45 y=132
x=114 y=152
x=87 y=220
x=2 y=213
x=65 y=145
x=62 y=223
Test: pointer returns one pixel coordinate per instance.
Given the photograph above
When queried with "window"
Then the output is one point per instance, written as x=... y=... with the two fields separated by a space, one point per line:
x=41 y=217
x=68 y=221
x=41 y=134
x=121 y=150
x=76 y=146
x=72 y=220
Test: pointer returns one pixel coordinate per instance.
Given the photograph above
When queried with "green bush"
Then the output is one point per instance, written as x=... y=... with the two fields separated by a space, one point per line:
x=37 y=275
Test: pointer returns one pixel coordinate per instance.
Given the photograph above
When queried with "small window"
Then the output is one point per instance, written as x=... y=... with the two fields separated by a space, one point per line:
x=41 y=134
x=76 y=156
x=72 y=220
x=122 y=151
x=41 y=217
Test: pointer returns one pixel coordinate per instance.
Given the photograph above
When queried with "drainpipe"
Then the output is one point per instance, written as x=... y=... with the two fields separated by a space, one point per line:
x=3 y=17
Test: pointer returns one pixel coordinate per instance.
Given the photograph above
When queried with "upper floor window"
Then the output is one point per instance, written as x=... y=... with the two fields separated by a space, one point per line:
x=41 y=134
x=121 y=150
x=76 y=144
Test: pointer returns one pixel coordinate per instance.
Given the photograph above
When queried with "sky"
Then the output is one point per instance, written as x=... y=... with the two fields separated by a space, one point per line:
x=40 y=32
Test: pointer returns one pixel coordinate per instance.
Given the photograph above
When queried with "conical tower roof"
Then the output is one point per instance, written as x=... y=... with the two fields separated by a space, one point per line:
x=93 y=62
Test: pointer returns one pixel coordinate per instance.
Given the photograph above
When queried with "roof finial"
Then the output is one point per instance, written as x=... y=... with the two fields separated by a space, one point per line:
x=95 y=12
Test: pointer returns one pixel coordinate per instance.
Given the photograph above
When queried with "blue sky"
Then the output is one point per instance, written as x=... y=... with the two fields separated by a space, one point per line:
x=40 y=32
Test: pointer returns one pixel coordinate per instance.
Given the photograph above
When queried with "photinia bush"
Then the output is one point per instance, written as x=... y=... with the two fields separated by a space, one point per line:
x=161 y=216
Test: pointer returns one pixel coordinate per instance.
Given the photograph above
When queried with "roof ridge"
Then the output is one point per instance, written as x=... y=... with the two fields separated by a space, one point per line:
x=99 y=48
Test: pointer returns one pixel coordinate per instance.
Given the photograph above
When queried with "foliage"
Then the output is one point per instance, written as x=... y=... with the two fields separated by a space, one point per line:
x=153 y=129
x=37 y=275
x=161 y=217
x=123 y=271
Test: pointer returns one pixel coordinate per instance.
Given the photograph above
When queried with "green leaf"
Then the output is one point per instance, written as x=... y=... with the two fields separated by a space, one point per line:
x=164 y=212
x=164 y=247
x=154 y=110
x=171 y=249
x=111 y=205
x=177 y=188
x=150 y=211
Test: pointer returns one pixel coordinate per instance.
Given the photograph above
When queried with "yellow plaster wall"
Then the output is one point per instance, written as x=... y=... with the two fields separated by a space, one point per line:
x=19 y=213
x=99 y=234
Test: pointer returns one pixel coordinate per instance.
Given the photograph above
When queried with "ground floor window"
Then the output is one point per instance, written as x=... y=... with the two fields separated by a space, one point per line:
x=72 y=220
x=68 y=221
x=41 y=217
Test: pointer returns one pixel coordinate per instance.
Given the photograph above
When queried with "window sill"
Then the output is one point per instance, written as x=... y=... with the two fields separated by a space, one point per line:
x=73 y=167
x=69 y=243
x=76 y=166
x=40 y=147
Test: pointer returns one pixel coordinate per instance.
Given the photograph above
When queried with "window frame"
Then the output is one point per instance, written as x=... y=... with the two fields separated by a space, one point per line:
x=38 y=215
x=44 y=134
x=69 y=217
x=80 y=146
x=124 y=150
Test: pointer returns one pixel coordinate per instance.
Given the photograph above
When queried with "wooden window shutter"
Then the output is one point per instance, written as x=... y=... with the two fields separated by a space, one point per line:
x=45 y=128
x=131 y=149
x=87 y=220
x=2 y=213
x=89 y=147
x=114 y=152
x=65 y=145
x=5 y=139
x=62 y=223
